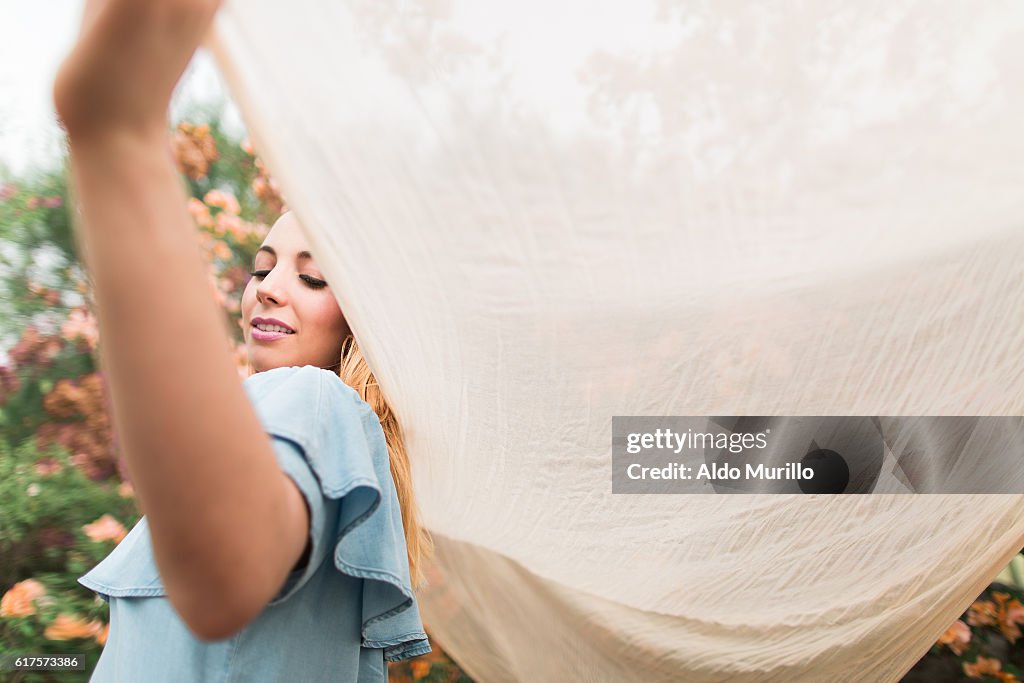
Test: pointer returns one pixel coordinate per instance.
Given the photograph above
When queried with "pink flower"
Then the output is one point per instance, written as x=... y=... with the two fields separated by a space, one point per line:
x=200 y=213
x=232 y=225
x=957 y=637
x=222 y=200
x=53 y=202
x=106 y=528
x=81 y=324
x=221 y=250
x=47 y=466
x=91 y=466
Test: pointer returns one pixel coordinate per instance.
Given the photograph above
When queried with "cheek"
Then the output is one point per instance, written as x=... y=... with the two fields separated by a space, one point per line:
x=247 y=303
x=329 y=318
x=248 y=298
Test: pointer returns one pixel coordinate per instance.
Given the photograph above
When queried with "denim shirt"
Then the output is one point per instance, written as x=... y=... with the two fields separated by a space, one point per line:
x=340 y=618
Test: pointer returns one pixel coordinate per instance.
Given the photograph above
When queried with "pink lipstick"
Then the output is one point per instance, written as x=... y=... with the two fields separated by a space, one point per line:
x=270 y=334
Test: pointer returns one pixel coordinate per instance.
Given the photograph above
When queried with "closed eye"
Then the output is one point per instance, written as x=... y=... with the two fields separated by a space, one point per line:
x=314 y=283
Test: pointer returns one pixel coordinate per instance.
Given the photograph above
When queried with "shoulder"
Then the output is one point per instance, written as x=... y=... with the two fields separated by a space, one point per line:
x=304 y=376
x=337 y=432
x=305 y=388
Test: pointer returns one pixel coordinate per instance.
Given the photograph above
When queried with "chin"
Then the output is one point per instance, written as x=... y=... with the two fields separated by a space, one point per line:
x=259 y=362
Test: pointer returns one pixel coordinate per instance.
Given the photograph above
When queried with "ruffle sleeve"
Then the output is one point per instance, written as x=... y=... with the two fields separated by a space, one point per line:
x=324 y=433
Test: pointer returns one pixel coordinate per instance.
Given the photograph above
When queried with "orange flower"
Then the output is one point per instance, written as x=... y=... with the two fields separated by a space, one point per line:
x=957 y=636
x=106 y=528
x=222 y=200
x=420 y=669
x=228 y=223
x=221 y=250
x=194 y=149
x=1015 y=612
x=65 y=400
x=200 y=212
x=1010 y=613
x=982 y=613
x=69 y=627
x=101 y=637
x=213 y=248
x=125 y=490
x=267 y=191
x=983 y=666
x=18 y=601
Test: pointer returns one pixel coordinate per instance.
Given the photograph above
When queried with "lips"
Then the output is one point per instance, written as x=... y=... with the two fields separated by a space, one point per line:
x=266 y=336
x=260 y=335
x=271 y=321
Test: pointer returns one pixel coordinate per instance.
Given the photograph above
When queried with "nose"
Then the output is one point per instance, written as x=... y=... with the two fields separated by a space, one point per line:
x=269 y=289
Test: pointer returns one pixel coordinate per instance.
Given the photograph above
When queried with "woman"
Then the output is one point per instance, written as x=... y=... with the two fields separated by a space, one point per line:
x=273 y=544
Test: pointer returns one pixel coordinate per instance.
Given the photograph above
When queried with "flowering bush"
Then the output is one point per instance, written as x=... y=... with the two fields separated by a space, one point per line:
x=983 y=645
x=65 y=498
x=55 y=524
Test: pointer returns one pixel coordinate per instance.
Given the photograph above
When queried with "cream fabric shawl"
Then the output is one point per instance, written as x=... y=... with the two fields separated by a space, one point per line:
x=538 y=215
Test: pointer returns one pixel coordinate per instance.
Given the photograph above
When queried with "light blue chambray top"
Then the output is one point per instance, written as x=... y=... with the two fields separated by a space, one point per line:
x=338 y=620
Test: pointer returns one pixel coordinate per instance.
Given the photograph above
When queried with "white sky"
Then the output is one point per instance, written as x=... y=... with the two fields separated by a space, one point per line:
x=34 y=37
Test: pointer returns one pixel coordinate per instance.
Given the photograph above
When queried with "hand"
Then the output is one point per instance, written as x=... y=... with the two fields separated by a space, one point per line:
x=122 y=71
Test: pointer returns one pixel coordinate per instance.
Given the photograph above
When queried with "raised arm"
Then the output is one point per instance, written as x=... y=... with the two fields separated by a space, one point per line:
x=227 y=525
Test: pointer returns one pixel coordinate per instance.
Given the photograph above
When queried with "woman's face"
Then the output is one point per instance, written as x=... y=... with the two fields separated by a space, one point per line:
x=288 y=290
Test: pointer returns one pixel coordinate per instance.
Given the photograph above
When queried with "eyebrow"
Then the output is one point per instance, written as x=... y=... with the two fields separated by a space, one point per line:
x=270 y=250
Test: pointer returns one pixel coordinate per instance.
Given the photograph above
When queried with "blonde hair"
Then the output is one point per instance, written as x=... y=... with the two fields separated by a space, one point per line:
x=355 y=372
